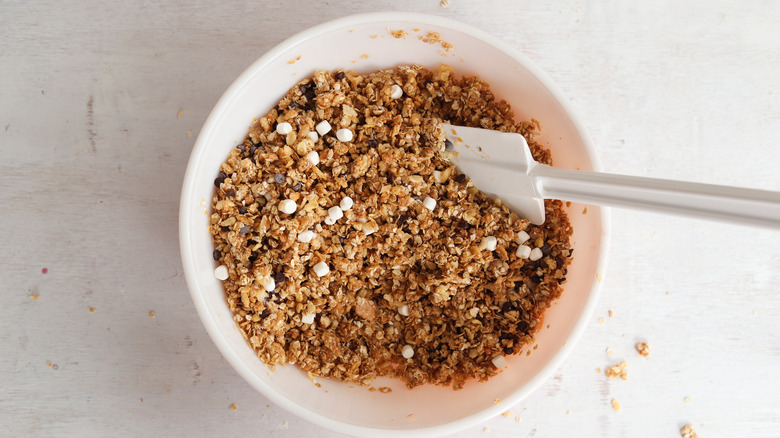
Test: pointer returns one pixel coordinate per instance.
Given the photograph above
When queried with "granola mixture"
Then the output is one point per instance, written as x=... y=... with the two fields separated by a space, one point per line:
x=351 y=247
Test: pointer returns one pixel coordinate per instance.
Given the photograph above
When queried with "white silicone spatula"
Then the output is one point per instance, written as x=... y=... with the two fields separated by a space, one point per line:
x=500 y=165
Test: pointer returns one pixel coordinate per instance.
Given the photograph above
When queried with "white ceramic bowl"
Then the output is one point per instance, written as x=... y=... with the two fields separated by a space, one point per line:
x=364 y=43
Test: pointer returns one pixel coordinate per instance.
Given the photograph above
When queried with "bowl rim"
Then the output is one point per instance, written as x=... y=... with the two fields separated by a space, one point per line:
x=186 y=200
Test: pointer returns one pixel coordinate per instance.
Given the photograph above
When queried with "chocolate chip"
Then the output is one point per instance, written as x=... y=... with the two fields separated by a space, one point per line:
x=448 y=146
x=507 y=307
x=279 y=277
x=265 y=313
x=464 y=225
x=216 y=254
x=279 y=178
x=340 y=75
x=225 y=229
x=230 y=193
x=297 y=187
x=309 y=93
x=303 y=87
x=220 y=179
x=427 y=82
x=252 y=149
x=390 y=178
x=509 y=350
x=241 y=147
x=546 y=250
x=253 y=257
x=402 y=220
x=460 y=178
x=522 y=326
x=504 y=336
x=244 y=230
x=242 y=210
x=373 y=143
x=294 y=105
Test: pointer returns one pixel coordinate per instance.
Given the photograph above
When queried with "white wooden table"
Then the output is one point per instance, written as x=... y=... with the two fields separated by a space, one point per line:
x=100 y=103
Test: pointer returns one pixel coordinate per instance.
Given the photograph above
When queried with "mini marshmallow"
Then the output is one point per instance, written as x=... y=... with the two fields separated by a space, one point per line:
x=335 y=213
x=329 y=220
x=522 y=237
x=346 y=203
x=488 y=243
x=407 y=352
x=323 y=127
x=500 y=362
x=437 y=176
x=313 y=136
x=429 y=203
x=314 y=157
x=536 y=254
x=321 y=269
x=396 y=91
x=306 y=236
x=284 y=128
x=270 y=284
x=403 y=310
x=344 y=135
x=288 y=206
x=221 y=272
x=308 y=318
x=523 y=251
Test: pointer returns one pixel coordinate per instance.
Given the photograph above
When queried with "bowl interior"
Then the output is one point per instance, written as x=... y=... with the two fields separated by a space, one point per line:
x=365 y=43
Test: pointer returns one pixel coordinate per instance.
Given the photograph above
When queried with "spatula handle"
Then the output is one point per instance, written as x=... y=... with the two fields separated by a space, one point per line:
x=708 y=201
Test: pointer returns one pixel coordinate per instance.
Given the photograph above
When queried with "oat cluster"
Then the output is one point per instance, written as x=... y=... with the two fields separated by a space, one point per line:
x=419 y=275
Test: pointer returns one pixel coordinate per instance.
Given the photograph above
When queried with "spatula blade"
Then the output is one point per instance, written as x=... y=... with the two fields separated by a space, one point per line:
x=498 y=163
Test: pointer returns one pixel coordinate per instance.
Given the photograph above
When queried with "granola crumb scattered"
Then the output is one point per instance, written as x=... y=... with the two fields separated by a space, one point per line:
x=34 y=296
x=688 y=431
x=615 y=405
x=687 y=399
x=497 y=401
x=402 y=266
x=611 y=314
x=518 y=419
x=189 y=133
x=410 y=416
x=400 y=33
x=617 y=371
x=181 y=113
x=609 y=351
x=598 y=370
x=568 y=412
x=385 y=390
x=444 y=3
x=233 y=407
x=151 y=314
x=601 y=319
x=507 y=414
x=48 y=363
x=91 y=309
x=643 y=349
x=485 y=429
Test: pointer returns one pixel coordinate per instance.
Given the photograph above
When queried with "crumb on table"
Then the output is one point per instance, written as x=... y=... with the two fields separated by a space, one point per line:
x=617 y=371
x=688 y=431
x=643 y=348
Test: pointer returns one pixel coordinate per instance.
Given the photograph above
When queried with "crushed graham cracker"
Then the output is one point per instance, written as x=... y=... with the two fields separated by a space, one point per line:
x=615 y=405
x=390 y=249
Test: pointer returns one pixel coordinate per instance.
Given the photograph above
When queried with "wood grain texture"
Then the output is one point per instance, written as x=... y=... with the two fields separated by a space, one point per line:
x=93 y=152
